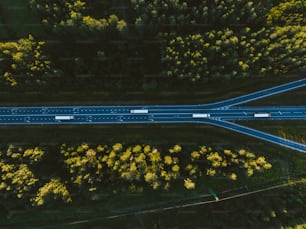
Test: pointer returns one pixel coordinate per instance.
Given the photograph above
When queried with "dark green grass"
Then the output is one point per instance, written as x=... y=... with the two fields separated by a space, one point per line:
x=20 y=20
x=252 y=211
x=290 y=98
x=291 y=129
x=166 y=92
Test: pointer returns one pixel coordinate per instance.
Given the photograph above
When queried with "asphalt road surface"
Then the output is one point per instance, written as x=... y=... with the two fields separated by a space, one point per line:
x=222 y=114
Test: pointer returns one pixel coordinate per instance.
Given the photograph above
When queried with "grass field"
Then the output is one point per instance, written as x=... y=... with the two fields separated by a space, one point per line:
x=177 y=92
x=72 y=215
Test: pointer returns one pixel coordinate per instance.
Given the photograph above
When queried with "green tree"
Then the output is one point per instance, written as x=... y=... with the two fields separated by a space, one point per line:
x=225 y=53
x=290 y=12
x=68 y=16
x=200 y=56
x=185 y=15
x=287 y=49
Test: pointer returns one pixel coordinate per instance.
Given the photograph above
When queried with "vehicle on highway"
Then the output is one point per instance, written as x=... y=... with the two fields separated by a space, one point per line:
x=219 y=114
x=64 y=117
x=200 y=115
x=262 y=115
x=140 y=111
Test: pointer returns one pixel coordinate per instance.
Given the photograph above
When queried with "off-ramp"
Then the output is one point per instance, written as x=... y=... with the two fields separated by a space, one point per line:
x=222 y=114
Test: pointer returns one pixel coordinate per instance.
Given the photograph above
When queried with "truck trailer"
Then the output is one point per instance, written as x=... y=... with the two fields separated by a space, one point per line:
x=64 y=117
x=200 y=115
x=139 y=111
x=262 y=115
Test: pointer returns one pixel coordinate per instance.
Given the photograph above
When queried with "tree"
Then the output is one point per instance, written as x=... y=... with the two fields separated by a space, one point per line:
x=52 y=191
x=67 y=16
x=184 y=15
x=225 y=53
x=85 y=165
x=290 y=12
x=135 y=167
x=24 y=58
x=189 y=184
x=226 y=163
x=199 y=56
x=287 y=49
x=16 y=176
x=16 y=179
x=30 y=156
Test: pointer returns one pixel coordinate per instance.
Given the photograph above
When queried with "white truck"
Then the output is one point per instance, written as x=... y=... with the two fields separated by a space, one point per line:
x=200 y=115
x=139 y=111
x=262 y=115
x=64 y=117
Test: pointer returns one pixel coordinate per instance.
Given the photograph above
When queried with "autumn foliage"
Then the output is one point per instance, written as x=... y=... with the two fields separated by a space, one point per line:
x=116 y=168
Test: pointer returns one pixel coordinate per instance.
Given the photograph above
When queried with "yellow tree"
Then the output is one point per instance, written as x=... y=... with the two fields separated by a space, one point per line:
x=69 y=16
x=16 y=179
x=26 y=59
x=53 y=190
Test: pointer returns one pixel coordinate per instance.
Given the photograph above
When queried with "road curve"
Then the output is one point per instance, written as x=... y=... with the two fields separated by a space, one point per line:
x=259 y=94
x=260 y=135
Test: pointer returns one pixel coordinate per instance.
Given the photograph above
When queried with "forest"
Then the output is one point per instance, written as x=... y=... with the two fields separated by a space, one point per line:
x=143 y=51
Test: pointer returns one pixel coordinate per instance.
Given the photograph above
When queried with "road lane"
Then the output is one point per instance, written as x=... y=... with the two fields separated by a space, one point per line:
x=260 y=135
x=218 y=114
x=259 y=94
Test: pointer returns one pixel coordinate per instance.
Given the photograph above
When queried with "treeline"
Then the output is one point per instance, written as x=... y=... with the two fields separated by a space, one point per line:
x=74 y=17
x=178 y=15
x=84 y=170
x=194 y=40
x=52 y=176
x=275 y=46
x=226 y=53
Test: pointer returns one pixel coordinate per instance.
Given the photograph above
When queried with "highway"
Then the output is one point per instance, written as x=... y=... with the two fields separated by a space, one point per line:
x=260 y=135
x=222 y=114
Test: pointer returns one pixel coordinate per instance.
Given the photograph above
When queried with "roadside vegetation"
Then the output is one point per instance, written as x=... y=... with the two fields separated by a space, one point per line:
x=72 y=17
x=128 y=42
x=227 y=53
x=24 y=60
x=109 y=178
x=102 y=168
